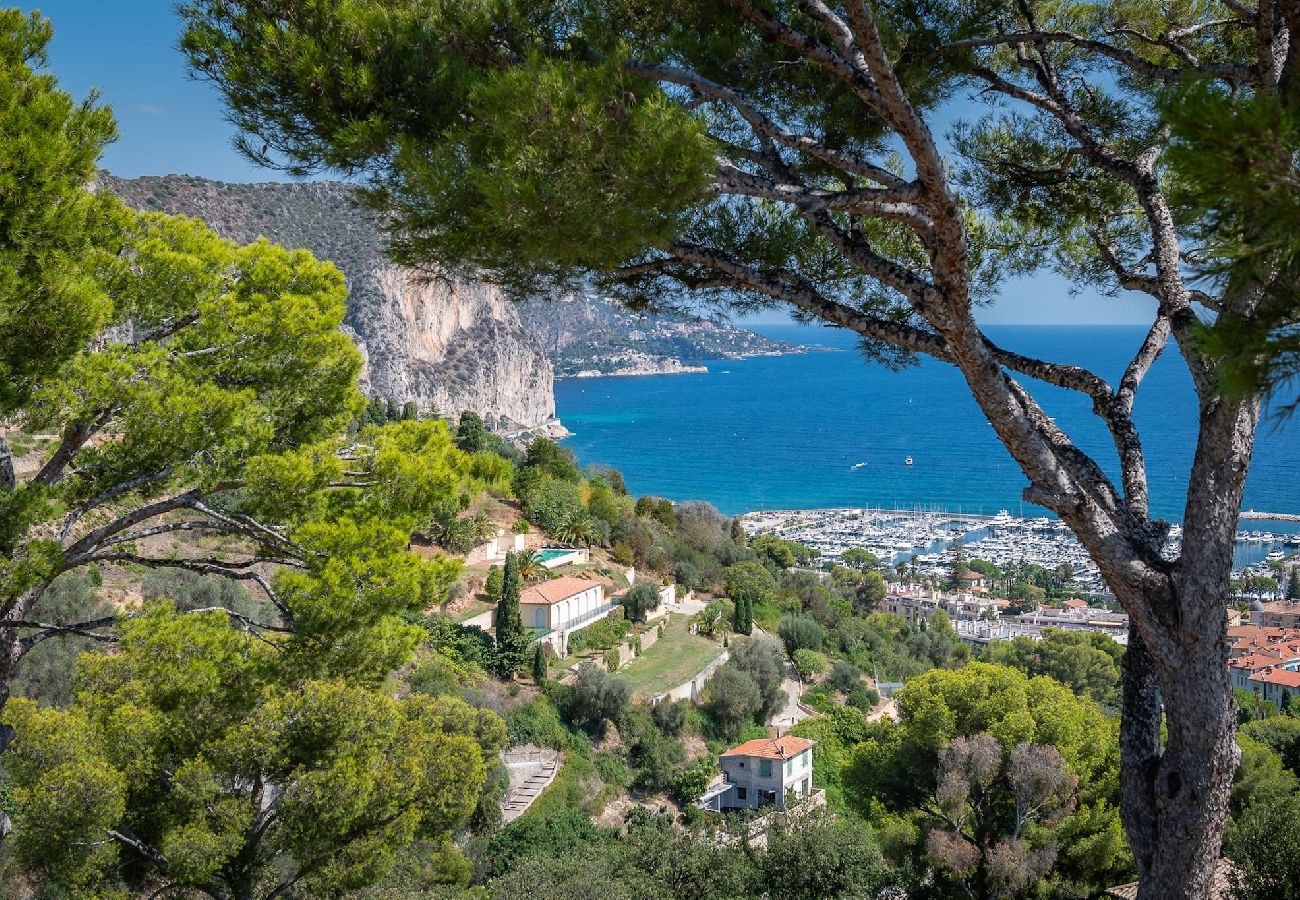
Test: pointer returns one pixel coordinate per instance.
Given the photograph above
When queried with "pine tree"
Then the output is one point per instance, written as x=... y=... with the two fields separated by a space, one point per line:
x=392 y=412
x=957 y=564
x=409 y=411
x=511 y=641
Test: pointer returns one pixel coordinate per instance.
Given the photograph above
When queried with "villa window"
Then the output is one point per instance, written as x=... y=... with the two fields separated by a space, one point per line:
x=765 y=768
x=742 y=793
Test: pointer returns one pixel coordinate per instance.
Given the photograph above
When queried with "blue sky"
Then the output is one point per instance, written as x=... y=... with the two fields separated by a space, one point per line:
x=170 y=123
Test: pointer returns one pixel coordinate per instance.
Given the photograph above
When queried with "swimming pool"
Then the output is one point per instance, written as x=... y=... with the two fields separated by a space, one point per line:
x=554 y=557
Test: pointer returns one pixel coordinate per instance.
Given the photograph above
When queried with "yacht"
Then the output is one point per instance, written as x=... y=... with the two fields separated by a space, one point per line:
x=1276 y=556
x=908 y=461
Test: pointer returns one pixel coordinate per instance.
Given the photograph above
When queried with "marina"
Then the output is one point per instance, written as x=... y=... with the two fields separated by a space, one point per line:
x=921 y=538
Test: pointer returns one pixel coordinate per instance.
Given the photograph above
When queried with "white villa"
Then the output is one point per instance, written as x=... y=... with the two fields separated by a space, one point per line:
x=562 y=606
x=762 y=773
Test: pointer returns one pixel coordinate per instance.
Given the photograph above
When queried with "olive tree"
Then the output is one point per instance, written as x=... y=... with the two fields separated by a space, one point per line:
x=759 y=152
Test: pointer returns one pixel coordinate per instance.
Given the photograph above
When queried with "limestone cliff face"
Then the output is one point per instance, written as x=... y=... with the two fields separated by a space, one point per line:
x=451 y=346
x=447 y=345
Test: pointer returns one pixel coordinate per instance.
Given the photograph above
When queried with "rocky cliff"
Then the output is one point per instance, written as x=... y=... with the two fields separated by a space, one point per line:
x=447 y=345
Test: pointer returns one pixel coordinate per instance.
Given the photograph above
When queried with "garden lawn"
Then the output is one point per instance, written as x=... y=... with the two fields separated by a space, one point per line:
x=676 y=658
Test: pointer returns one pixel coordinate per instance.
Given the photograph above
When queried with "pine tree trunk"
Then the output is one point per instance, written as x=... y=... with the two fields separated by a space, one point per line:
x=1175 y=795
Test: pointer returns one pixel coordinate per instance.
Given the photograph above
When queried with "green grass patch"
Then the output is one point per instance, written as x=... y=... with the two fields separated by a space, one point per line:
x=578 y=785
x=676 y=658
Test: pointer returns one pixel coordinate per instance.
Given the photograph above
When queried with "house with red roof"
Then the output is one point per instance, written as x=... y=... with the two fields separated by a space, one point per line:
x=1275 y=685
x=1243 y=668
x=564 y=605
x=767 y=772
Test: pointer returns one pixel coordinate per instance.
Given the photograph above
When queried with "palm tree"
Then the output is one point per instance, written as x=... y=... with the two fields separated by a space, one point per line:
x=530 y=565
x=578 y=530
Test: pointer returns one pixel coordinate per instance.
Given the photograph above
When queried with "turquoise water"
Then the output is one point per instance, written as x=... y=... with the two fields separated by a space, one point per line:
x=548 y=555
x=828 y=429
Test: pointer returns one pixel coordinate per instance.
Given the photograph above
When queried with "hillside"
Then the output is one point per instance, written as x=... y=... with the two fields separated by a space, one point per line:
x=447 y=345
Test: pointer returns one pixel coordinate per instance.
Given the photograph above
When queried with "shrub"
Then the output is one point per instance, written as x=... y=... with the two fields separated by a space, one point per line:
x=732 y=698
x=537 y=723
x=819 y=698
x=799 y=632
x=520 y=527
x=654 y=755
x=669 y=716
x=541 y=662
x=596 y=695
x=863 y=698
x=611 y=659
x=809 y=662
x=495 y=578
x=636 y=645
x=691 y=782
x=844 y=676
x=555 y=505
x=600 y=635
x=640 y=600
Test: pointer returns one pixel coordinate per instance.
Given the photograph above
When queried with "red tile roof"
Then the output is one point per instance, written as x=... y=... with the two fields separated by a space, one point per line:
x=1254 y=661
x=1076 y=603
x=772 y=748
x=1281 y=677
x=557 y=590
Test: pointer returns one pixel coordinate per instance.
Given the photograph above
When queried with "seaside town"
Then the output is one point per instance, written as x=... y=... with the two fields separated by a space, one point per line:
x=920 y=538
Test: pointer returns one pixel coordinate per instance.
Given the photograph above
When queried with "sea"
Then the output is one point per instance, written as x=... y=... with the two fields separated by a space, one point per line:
x=829 y=429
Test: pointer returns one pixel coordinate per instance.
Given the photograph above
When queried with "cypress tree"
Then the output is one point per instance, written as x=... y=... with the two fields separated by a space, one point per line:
x=743 y=619
x=511 y=642
x=1293 y=586
x=539 y=664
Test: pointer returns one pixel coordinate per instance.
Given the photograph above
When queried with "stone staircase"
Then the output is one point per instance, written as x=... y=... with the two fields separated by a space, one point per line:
x=531 y=770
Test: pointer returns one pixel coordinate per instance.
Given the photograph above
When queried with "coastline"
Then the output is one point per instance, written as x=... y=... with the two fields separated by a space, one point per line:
x=672 y=366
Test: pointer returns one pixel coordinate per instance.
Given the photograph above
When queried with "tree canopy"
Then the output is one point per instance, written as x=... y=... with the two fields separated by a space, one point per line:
x=200 y=756
x=932 y=777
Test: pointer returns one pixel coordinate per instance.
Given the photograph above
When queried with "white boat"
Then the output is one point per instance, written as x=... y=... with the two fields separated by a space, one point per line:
x=1276 y=556
x=908 y=461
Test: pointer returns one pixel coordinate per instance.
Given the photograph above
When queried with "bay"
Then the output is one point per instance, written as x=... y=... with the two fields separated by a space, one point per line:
x=826 y=429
